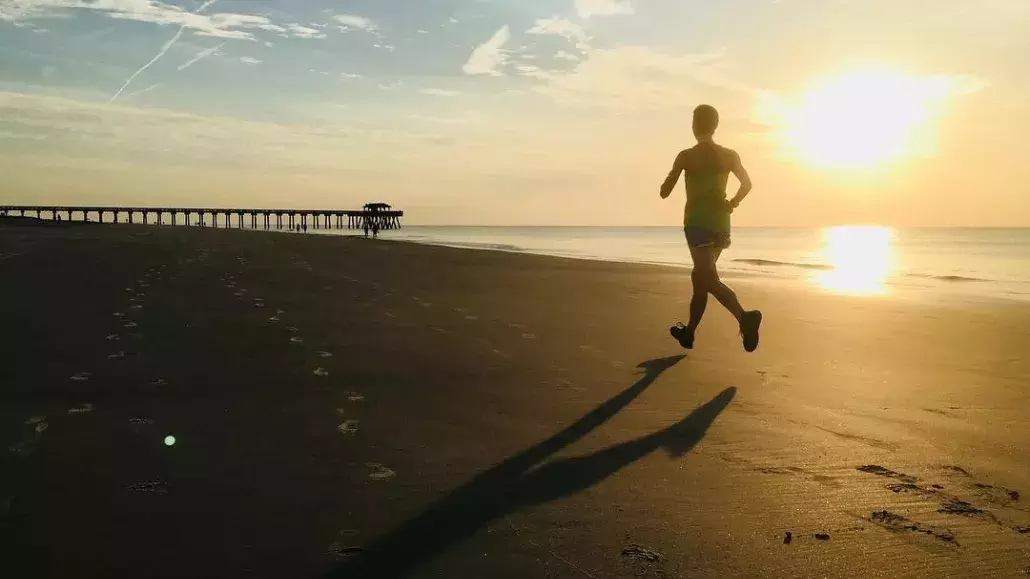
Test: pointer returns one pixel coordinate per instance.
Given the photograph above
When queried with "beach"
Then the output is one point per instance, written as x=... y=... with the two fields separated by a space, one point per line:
x=344 y=407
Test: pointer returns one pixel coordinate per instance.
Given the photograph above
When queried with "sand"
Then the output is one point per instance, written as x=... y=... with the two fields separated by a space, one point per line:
x=355 y=408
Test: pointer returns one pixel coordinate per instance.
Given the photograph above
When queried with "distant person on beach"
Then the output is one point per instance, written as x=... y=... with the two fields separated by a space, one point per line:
x=706 y=224
x=375 y=230
x=366 y=228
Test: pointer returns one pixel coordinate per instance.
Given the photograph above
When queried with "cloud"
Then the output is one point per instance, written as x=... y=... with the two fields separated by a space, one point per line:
x=297 y=31
x=634 y=78
x=489 y=57
x=353 y=22
x=560 y=27
x=564 y=55
x=219 y=25
x=350 y=75
x=590 y=8
x=250 y=61
x=200 y=56
x=440 y=92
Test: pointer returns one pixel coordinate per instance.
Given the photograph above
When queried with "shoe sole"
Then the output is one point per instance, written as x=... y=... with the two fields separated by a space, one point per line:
x=758 y=325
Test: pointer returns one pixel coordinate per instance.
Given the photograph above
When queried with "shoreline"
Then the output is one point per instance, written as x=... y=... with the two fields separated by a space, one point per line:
x=947 y=292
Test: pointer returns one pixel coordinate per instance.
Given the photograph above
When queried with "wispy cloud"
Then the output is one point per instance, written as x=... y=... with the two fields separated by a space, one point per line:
x=489 y=57
x=298 y=31
x=565 y=55
x=200 y=56
x=349 y=75
x=250 y=61
x=634 y=78
x=591 y=8
x=558 y=26
x=440 y=92
x=353 y=22
x=220 y=25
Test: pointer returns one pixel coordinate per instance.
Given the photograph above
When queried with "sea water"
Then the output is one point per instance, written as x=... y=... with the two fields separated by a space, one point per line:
x=871 y=260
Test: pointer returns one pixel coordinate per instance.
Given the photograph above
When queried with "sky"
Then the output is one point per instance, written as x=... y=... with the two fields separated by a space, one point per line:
x=504 y=112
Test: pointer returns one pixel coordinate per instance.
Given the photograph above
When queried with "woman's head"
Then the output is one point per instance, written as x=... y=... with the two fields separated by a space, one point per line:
x=706 y=120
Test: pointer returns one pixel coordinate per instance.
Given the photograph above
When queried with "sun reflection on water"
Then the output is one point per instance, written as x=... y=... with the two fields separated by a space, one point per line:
x=860 y=257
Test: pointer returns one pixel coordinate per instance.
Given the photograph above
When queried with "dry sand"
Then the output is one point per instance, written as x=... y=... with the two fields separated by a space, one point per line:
x=352 y=408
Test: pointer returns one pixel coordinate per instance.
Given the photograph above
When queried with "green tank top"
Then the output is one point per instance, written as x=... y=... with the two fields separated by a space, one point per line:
x=706 y=195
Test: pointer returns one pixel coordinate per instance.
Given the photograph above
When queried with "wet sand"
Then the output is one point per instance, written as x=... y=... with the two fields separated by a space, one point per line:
x=355 y=408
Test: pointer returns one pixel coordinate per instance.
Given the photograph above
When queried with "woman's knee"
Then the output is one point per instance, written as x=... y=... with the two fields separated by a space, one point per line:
x=703 y=280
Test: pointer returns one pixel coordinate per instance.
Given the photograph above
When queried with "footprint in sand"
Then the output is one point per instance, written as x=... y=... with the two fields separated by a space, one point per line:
x=529 y=336
x=156 y=487
x=159 y=382
x=342 y=548
x=139 y=423
x=348 y=427
x=136 y=307
x=323 y=354
x=292 y=329
x=113 y=337
x=82 y=376
x=274 y=319
x=354 y=396
x=296 y=340
x=118 y=315
x=81 y=409
x=380 y=472
x=441 y=330
x=472 y=317
x=321 y=372
x=116 y=356
x=279 y=312
x=131 y=324
x=238 y=294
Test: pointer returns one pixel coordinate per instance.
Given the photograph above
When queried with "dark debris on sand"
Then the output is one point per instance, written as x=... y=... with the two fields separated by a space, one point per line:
x=886 y=472
x=897 y=523
x=639 y=553
x=822 y=536
x=954 y=506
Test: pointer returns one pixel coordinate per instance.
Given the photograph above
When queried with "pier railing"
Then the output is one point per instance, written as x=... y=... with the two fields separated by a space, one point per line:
x=374 y=216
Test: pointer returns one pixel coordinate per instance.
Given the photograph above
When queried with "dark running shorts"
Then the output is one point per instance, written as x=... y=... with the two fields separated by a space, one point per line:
x=700 y=237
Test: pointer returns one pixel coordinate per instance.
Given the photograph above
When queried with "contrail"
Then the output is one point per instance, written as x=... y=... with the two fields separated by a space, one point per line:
x=158 y=56
x=146 y=90
x=200 y=56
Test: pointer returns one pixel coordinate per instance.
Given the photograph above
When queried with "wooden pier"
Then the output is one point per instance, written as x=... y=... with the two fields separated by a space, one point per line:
x=373 y=215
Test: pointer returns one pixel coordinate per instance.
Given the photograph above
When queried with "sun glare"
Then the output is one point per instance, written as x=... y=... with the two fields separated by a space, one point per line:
x=863 y=118
x=860 y=257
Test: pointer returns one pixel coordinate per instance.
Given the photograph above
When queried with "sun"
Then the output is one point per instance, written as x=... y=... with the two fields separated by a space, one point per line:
x=863 y=117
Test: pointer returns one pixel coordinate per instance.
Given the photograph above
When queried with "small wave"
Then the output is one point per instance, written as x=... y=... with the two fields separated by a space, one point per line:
x=474 y=245
x=770 y=262
x=956 y=278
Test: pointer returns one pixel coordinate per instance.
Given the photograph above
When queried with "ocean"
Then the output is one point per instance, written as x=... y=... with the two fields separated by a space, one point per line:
x=855 y=260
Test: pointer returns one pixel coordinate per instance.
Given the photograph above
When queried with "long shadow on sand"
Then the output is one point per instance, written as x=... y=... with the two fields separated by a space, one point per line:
x=515 y=483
